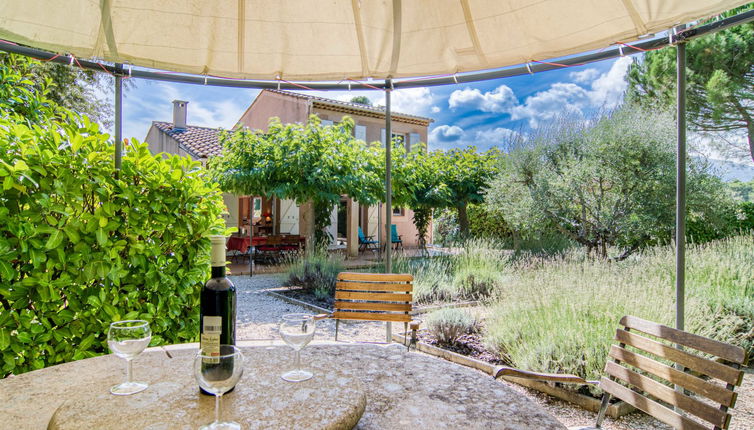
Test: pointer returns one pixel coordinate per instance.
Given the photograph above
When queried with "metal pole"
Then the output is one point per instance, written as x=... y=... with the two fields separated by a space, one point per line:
x=388 y=194
x=388 y=181
x=680 y=197
x=118 y=115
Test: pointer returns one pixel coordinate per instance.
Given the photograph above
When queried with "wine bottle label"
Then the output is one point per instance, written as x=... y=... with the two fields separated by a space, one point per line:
x=212 y=327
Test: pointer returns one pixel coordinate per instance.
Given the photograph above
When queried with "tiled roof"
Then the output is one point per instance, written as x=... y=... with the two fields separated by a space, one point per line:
x=355 y=106
x=201 y=141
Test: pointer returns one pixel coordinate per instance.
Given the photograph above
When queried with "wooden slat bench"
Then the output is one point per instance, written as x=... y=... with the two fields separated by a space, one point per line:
x=374 y=297
x=635 y=375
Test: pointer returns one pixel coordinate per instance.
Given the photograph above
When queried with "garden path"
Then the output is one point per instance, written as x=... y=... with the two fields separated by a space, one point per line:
x=258 y=315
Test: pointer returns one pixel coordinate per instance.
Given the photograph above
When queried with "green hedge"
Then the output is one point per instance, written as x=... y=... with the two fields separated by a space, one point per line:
x=81 y=247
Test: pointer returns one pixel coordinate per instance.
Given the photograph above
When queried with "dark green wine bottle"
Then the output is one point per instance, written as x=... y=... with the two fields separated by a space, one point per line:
x=217 y=310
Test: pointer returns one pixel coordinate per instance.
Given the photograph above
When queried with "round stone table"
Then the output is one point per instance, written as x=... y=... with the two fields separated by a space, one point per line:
x=401 y=390
x=261 y=400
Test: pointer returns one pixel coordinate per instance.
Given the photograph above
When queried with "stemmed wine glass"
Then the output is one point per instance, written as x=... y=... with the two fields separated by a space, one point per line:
x=217 y=374
x=127 y=339
x=297 y=330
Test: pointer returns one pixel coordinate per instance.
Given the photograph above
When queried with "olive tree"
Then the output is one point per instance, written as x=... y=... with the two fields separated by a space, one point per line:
x=610 y=182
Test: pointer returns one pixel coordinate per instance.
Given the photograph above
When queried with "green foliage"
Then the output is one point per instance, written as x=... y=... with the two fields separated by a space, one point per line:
x=488 y=223
x=448 y=324
x=559 y=314
x=418 y=186
x=303 y=162
x=720 y=81
x=608 y=183
x=69 y=87
x=467 y=173
x=362 y=100
x=316 y=272
x=742 y=191
x=81 y=246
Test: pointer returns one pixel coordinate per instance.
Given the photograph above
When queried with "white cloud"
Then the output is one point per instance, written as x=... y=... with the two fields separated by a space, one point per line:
x=499 y=100
x=584 y=76
x=446 y=134
x=565 y=98
x=560 y=99
x=435 y=109
x=607 y=90
x=452 y=136
x=499 y=136
x=414 y=101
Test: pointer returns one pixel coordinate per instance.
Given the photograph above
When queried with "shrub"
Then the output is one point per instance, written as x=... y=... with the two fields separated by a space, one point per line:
x=316 y=272
x=560 y=314
x=432 y=277
x=479 y=269
x=448 y=324
x=81 y=246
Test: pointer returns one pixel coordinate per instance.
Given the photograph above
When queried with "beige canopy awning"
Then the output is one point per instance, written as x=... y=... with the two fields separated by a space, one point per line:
x=316 y=40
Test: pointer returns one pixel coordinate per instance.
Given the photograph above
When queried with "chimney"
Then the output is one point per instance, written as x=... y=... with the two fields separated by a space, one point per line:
x=179 y=114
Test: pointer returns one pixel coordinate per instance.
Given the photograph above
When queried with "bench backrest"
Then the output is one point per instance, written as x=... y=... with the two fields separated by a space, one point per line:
x=634 y=362
x=373 y=297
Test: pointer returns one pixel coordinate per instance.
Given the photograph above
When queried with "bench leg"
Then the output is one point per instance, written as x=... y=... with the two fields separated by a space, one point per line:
x=405 y=336
x=603 y=408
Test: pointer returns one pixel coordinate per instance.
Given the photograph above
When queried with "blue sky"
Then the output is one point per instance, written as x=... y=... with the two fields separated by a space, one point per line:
x=481 y=114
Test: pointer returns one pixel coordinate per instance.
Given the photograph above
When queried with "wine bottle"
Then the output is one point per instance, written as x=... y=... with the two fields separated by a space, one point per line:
x=217 y=310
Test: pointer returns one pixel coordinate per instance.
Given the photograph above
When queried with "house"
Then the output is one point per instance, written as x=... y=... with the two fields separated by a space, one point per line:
x=258 y=215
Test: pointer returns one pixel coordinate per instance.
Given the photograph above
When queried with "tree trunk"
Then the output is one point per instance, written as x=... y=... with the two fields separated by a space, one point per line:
x=463 y=220
x=750 y=137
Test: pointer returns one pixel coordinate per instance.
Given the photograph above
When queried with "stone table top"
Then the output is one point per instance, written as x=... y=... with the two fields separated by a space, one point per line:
x=403 y=390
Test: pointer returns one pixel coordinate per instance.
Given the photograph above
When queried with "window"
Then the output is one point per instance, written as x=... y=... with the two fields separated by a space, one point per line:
x=399 y=212
x=413 y=140
x=257 y=211
x=327 y=122
x=397 y=137
x=360 y=132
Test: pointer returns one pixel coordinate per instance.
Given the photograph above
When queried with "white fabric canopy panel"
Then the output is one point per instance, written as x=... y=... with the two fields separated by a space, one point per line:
x=318 y=40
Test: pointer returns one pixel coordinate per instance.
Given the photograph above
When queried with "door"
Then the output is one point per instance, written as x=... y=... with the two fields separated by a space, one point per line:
x=288 y=217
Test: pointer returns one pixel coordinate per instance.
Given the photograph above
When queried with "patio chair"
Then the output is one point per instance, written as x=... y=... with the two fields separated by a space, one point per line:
x=395 y=239
x=375 y=297
x=644 y=382
x=367 y=242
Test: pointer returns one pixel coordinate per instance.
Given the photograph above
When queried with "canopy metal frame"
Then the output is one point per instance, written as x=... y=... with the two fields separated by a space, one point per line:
x=460 y=78
x=676 y=37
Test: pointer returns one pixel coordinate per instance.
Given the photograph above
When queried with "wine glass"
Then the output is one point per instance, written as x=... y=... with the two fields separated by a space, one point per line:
x=218 y=374
x=127 y=339
x=297 y=330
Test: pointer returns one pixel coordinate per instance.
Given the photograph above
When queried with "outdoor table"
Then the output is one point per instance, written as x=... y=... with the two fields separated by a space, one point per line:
x=376 y=386
x=238 y=243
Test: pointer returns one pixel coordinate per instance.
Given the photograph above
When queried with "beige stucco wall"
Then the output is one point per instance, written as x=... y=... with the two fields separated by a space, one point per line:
x=231 y=205
x=267 y=105
x=161 y=142
x=374 y=125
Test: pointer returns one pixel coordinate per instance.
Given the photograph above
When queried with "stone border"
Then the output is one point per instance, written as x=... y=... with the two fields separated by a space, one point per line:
x=616 y=410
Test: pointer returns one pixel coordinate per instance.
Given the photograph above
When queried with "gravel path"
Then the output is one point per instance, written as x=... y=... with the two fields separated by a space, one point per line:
x=258 y=315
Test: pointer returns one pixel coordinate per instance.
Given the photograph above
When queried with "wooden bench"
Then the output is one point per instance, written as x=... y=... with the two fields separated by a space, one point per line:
x=707 y=370
x=375 y=297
